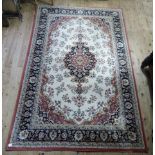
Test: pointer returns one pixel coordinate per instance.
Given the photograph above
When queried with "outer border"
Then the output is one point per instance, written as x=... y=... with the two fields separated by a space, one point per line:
x=135 y=84
x=145 y=150
x=21 y=80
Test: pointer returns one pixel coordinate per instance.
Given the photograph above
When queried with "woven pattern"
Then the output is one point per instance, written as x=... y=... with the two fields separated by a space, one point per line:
x=78 y=92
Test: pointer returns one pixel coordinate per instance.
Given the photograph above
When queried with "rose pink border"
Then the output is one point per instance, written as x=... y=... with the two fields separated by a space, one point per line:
x=145 y=150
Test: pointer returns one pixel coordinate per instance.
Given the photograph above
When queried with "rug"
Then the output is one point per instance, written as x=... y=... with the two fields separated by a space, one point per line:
x=77 y=91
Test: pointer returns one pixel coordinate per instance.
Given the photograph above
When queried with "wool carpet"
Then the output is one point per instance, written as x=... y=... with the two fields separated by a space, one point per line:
x=77 y=91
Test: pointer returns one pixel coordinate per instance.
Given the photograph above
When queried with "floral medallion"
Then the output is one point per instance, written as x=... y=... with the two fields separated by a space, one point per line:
x=80 y=61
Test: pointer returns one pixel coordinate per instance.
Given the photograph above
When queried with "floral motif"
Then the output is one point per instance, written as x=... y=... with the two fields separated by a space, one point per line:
x=103 y=136
x=107 y=81
x=50 y=91
x=49 y=59
x=61 y=88
x=66 y=98
x=79 y=100
x=91 y=111
x=59 y=77
x=92 y=99
x=99 y=79
x=53 y=134
x=107 y=92
x=132 y=136
x=23 y=134
x=98 y=89
x=78 y=135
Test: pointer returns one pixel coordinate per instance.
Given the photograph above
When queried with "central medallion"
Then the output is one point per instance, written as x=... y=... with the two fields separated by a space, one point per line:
x=80 y=60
